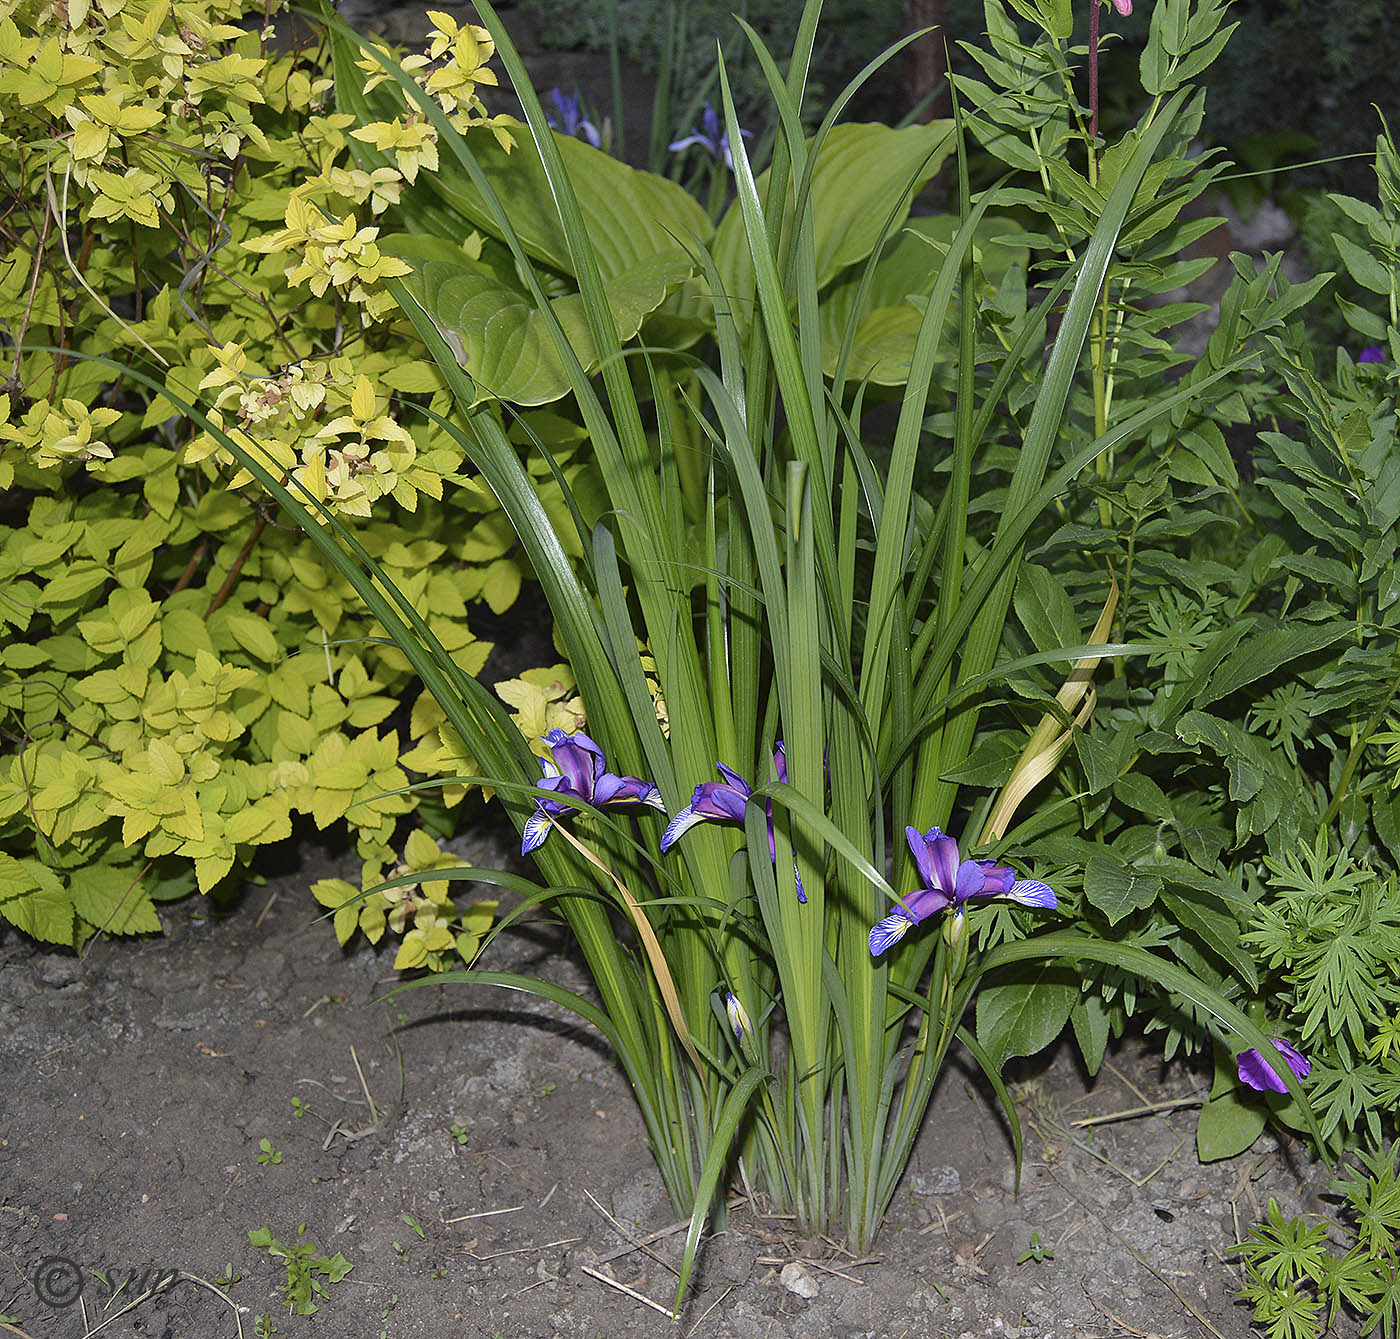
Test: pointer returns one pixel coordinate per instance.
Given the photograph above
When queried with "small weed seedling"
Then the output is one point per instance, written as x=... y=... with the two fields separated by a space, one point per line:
x=299 y=1108
x=263 y=1327
x=229 y=1277
x=459 y=1133
x=308 y=1271
x=409 y=1219
x=1038 y=1251
x=268 y=1154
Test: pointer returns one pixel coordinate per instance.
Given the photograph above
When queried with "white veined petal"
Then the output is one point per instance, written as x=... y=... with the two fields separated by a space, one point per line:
x=888 y=931
x=1033 y=893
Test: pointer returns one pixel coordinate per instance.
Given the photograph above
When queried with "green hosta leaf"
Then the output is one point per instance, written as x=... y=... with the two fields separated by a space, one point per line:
x=632 y=217
x=1023 y=1017
x=1117 y=889
x=493 y=327
x=862 y=174
x=1143 y=795
x=889 y=321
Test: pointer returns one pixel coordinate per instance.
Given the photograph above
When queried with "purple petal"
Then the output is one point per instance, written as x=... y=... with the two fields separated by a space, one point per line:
x=714 y=799
x=925 y=902
x=735 y=780
x=969 y=880
x=1372 y=353
x=996 y=879
x=579 y=760
x=918 y=848
x=888 y=931
x=738 y=1017
x=1255 y=1071
x=613 y=789
x=943 y=860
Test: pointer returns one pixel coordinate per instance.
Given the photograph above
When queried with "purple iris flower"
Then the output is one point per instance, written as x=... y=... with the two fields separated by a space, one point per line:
x=579 y=768
x=569 y=118
x=949 y=882
x=710 y=137
x=1372 y=353
x=1258 y=1073
x=723 y=802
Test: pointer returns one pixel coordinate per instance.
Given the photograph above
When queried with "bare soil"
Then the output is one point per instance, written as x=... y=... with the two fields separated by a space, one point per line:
x=500 y=1184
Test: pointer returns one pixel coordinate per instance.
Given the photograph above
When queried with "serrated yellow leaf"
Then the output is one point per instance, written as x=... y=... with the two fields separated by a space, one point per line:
x=362 y=400
x=90 y=141
x=164 y=763
x=210 y=869
x=412 y=953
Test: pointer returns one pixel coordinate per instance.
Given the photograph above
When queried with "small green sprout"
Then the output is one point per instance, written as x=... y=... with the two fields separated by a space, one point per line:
x=1038 y=1251
x=268 y=1154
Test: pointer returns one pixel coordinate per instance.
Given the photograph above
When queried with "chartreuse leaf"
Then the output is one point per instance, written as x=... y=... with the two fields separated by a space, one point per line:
x=33 y=898
x=496 y=332
x=112 y=898
x=632 y=217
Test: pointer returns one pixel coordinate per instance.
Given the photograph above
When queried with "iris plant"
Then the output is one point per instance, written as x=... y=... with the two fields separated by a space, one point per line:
x=579 y=768
x=1258 y=1073
x=949 y=883
x=568 y=118
x=723 y=802
x=710 y=137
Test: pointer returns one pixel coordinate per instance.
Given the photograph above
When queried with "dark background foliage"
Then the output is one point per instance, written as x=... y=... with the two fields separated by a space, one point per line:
x=1297 y=70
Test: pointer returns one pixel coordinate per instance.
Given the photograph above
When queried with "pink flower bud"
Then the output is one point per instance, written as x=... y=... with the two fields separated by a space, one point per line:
x=1124 y=7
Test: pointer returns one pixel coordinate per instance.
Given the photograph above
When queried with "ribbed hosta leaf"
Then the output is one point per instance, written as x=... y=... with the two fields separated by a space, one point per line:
x=862 y=172
x=884 y=339
x=493 y=327
x=632 y=217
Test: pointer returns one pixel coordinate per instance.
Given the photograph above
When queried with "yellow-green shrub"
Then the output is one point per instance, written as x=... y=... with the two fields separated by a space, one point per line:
x=180 y=676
